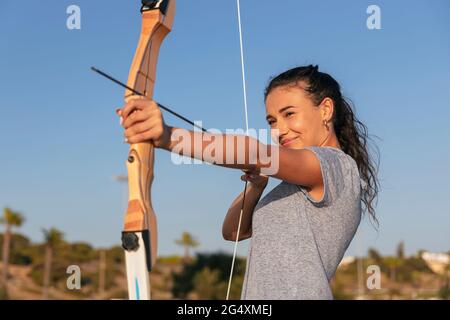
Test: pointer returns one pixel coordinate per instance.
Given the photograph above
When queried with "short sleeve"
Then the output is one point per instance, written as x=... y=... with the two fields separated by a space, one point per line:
x=331 y=166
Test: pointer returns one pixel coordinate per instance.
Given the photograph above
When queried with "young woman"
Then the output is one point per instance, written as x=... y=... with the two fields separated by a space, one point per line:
x=301 y=229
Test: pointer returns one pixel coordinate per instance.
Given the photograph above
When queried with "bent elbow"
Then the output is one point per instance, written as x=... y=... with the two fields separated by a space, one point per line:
x=233 y=235
x=225 y=236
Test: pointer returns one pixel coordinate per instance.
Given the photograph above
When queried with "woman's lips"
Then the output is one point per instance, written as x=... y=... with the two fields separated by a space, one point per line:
x=285 y=142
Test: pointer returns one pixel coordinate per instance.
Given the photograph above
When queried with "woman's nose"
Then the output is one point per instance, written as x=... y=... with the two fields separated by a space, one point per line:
x=282 y=128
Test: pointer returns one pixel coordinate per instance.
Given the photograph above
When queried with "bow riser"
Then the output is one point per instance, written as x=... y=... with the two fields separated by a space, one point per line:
x=139 y=238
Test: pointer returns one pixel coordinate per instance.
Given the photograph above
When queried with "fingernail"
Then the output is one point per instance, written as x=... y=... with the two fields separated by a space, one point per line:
x=121 y=120
x=125 y=140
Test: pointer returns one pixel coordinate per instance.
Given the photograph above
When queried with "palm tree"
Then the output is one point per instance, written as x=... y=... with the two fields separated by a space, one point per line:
x=401 y=250
x=102 y=272
x=375 y=256
x=52 y=237
x=392 y=263
x=10 y=219
x=187 y=241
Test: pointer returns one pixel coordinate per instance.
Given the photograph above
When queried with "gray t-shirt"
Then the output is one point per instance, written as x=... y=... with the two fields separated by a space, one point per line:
x=298 y=242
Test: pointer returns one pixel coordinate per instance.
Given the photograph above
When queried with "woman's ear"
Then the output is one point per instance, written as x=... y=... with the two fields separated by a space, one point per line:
x=327 y=109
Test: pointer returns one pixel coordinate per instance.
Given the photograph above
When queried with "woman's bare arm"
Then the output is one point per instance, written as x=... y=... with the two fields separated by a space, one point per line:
x=296 y=166
x=143 y=122
x=231 y=221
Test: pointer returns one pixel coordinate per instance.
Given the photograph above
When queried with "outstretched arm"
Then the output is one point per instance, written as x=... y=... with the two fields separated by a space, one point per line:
x=143 y=121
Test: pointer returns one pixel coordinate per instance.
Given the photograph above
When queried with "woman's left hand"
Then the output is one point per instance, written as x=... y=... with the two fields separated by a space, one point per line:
x=255 y=177
x=143 y=122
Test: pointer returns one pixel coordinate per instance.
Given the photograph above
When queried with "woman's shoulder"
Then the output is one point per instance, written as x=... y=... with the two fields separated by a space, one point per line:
x=332 y=154
x=340 y=172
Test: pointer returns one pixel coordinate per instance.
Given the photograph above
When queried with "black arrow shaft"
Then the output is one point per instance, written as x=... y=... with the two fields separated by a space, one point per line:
x=142 y=95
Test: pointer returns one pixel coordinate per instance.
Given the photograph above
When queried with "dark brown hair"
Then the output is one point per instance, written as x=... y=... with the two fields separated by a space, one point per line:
x=351 y=133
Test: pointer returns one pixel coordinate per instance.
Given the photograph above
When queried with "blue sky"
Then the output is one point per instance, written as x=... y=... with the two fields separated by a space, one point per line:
x=62 y=144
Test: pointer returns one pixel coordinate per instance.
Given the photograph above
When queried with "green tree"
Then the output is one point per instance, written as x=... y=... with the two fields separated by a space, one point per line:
x=10 y=219
x=219 y=263
x=375 y=256
x=392 y=263
x=52 y=238
x=207 y=285
x=19 y=252
x=444 y=291
x=187 y=241
x=401 y=250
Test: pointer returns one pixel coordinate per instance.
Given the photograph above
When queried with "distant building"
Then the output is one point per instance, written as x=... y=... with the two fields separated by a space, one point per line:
x=347 y=261
x=437 y=262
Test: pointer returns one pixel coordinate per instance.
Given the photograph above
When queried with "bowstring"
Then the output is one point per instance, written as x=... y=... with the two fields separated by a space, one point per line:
x=246 y=132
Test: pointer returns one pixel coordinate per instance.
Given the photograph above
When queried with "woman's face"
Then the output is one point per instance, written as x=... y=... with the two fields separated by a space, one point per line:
x=293 y=118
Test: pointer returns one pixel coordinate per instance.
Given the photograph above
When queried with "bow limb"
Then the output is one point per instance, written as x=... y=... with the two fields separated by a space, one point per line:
x=139 y=236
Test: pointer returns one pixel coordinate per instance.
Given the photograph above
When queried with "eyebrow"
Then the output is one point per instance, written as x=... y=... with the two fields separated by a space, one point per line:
x=280 y=111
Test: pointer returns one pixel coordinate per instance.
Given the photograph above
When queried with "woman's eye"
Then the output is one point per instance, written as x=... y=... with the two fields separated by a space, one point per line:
x=271 y=122
x=288 y=114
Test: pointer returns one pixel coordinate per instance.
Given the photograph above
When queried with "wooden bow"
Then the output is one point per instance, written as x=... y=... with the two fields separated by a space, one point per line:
x=139 y=236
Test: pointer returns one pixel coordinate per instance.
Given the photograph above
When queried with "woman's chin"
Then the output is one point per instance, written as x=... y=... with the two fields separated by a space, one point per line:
x=295 y=146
